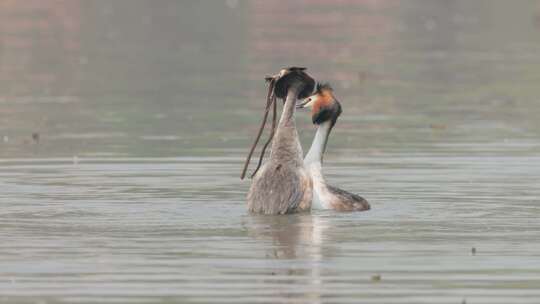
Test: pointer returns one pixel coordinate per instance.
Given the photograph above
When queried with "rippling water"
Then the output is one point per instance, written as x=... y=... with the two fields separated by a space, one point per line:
x=123 y=130
x=136 y=230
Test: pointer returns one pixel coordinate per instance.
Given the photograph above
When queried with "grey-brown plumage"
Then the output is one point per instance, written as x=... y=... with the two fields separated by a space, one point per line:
x=280 y=189
x=346 y=201
x=283 y=185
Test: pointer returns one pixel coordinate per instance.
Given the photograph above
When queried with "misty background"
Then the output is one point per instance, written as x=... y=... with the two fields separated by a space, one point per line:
x=173 y=78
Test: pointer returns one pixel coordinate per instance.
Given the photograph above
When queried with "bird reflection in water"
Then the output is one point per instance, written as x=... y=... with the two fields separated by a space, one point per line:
x=295 y=251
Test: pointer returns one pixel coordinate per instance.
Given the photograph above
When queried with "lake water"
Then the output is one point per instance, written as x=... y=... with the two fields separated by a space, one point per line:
x=124 y=125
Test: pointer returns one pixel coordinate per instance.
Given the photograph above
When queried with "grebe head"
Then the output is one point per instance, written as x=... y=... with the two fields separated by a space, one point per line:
x=324 y=105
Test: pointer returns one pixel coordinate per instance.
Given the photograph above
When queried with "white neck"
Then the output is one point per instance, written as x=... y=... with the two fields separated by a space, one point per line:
x=318 y=146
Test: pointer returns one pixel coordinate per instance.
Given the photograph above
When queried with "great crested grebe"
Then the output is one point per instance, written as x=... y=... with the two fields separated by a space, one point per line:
x=283 y=184
x=325 y=110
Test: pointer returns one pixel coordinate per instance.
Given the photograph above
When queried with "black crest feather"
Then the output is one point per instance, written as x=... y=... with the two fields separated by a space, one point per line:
x=323 y=86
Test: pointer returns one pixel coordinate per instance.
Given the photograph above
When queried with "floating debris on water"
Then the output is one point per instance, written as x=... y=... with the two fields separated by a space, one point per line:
x=35 y=137
x=376 y=278
x=473 y=251
x=5 y=138
x=438 y=126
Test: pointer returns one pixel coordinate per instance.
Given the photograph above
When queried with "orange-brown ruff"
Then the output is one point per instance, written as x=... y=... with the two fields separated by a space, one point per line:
x=325 y=110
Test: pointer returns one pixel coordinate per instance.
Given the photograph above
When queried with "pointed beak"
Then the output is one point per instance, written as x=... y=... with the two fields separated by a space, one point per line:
x=303 y=104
